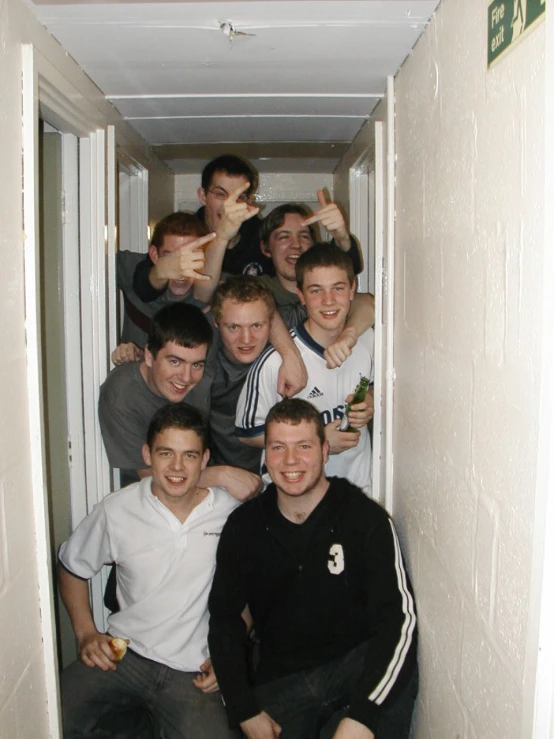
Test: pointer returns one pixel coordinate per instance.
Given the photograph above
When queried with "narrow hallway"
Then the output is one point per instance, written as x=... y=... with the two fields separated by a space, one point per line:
x=473 y=286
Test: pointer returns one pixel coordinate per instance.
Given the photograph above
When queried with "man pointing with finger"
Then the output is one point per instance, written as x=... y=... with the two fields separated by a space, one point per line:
x=226 y=195
x=176 y=249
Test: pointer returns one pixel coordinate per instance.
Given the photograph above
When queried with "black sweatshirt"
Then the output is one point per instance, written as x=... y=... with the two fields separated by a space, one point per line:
x=349 y=587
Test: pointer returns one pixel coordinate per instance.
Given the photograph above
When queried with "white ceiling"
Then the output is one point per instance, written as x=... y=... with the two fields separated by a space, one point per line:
x=291 y=97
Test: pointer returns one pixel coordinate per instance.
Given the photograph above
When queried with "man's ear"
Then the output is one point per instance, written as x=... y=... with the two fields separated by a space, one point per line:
x=205 y=458
x=148 y=357
x=201 y=193
x=300 y=295
x=353 y=289
x=264 y=249
x=146 y=455
x=153 y=253
x=325 y=451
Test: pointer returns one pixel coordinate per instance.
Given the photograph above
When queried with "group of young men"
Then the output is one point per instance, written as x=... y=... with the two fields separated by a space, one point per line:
x=227 y=314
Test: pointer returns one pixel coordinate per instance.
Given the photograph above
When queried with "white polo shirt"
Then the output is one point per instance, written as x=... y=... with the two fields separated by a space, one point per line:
x=164 y=569
x=326 y=389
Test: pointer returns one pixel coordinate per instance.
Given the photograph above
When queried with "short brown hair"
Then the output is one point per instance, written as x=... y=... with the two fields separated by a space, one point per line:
x=323 y=255
x=182 y=323
x=242 y=289
x=276 y=219
x=232 y=166
x=293 y=411
x=178 y=416
x=178 y=224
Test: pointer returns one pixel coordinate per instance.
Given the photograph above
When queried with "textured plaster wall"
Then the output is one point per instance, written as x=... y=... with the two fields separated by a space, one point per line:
x=22 y=674
x=470 y=202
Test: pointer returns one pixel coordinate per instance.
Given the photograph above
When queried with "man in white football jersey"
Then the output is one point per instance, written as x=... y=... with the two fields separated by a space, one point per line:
x=326 y=286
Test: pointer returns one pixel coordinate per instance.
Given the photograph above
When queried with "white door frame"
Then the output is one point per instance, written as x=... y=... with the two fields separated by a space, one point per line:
x=388 y=289
x=378 y=450
x=368 y=178
x=72 y=326
x=34 y=384
x=133 y=204
x=360 y=208
x=61 y=105
x=94 y=233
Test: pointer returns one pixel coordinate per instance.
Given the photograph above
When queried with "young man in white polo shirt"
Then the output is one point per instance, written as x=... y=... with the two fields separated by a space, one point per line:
x=326 y=286
x=162 y=533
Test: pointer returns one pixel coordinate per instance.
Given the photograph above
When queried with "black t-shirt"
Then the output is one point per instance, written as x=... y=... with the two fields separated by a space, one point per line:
x=245 y=258
x=297 y=537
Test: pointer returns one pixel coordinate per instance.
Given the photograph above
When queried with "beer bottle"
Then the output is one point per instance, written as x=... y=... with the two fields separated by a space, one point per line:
x=359 y=396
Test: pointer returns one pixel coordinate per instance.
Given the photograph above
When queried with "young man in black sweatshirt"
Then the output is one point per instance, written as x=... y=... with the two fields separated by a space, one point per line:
x=320 y=567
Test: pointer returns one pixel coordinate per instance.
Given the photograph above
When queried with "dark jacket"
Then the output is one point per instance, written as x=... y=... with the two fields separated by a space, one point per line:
x=350 y=587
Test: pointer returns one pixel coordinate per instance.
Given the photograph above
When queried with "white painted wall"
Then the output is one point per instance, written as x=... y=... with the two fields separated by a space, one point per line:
x=362 y=143
x=23 y=709
x=469 y=261
x=274 y=189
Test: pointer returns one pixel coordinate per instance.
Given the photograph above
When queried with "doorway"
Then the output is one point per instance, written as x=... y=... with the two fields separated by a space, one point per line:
x=57 y=442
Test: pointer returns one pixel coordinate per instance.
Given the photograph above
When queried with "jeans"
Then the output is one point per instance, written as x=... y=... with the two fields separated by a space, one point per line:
x=311 y=704
x=94 y=703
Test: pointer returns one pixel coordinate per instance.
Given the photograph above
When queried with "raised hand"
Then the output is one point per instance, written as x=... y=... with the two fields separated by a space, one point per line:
x=330 y=216
x=184 y=263
x=234 y=213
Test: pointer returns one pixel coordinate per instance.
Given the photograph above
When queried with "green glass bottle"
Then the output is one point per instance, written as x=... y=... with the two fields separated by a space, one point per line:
x=359 y=396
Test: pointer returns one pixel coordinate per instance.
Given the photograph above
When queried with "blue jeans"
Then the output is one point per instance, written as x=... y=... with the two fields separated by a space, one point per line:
x=139 y=699
x=311 y=704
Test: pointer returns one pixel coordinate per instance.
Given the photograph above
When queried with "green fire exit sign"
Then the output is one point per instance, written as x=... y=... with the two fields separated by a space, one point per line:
x=508 y=22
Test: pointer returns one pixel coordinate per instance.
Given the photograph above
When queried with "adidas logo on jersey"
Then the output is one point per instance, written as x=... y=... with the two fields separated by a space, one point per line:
x=315 y=393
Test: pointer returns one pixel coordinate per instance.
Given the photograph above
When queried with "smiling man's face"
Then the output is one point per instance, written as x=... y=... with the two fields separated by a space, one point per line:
x=177 y=459
x=286 y=244
x=327 y=295
x=221 y=186
x=175 y=370
x=295 y=458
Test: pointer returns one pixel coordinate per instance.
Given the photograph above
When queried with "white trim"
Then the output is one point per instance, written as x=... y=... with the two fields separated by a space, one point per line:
x=359 y=217
x=93 y=323
x=30 y=93
x=111 y=239
x=111 y=270
x=391 y=157
x=378 y=447
x=382 y=690
x=72 y=327
x=132 y=218
x=249 y=96
x=62 y=104
x=241 y=115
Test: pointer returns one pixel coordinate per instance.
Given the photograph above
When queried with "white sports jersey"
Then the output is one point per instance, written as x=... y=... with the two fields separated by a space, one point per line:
x=326 y=389
x=164 y=569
